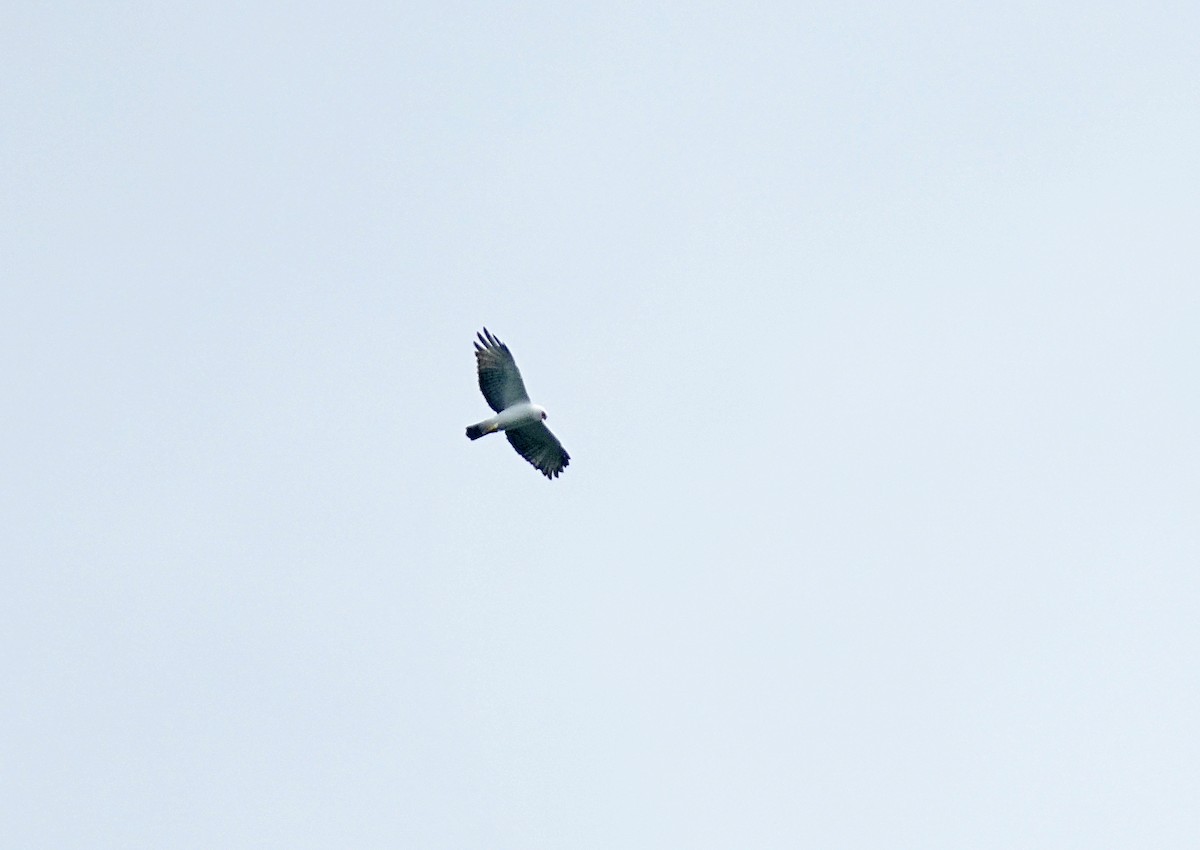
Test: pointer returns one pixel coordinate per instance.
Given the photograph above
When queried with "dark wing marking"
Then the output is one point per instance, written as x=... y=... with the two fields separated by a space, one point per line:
x=537 y=445
x=499 y=379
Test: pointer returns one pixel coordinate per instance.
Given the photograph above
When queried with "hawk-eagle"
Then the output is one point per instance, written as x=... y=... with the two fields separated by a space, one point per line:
x=520 y=420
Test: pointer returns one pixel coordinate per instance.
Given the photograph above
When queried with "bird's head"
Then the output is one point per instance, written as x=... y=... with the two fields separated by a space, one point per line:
x=541 y=412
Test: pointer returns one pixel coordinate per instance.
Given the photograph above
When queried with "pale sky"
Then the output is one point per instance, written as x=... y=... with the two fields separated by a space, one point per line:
x=873 y=332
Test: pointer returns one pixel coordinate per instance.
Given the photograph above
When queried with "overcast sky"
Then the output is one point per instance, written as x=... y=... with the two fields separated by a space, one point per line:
x=872 y=331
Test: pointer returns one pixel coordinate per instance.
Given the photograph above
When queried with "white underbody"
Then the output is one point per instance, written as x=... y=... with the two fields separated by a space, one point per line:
x=524 y=413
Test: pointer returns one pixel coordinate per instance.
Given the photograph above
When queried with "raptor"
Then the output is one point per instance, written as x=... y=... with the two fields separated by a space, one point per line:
x=522 y=421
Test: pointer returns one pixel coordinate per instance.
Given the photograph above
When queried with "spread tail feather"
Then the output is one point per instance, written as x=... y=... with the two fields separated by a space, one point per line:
x=474 y=432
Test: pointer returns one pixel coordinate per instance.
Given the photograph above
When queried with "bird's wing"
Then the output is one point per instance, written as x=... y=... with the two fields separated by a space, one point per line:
x=537 y=445
x=499 y=379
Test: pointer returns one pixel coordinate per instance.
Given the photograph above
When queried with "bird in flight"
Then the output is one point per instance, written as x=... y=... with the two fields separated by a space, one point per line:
x=520 y=420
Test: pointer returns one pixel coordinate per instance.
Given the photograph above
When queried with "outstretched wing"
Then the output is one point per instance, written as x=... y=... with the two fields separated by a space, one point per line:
x=537 y=445
x=499 y=379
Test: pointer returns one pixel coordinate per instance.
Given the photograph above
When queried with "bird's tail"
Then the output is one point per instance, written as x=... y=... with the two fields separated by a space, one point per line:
x=474 y=432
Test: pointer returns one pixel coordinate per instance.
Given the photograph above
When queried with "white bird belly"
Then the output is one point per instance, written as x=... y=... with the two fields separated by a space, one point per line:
x=518 y=415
